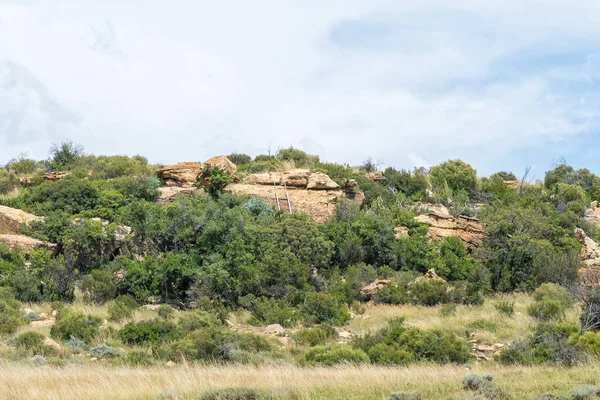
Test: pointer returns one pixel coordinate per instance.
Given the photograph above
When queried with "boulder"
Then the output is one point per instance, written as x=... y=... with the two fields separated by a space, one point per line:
x=429 y=275
x=26 y=244
x=184 y=174
x=372 y=288
x=275 y=329
x=467 y=229
x=400 y=231
x=512 y=184
x=320 y=181
x=592 y=215
x=56 y=176
x=590 y=251
x=431 y=208
x=223 y=163
x=51 y=343
x=11 y=219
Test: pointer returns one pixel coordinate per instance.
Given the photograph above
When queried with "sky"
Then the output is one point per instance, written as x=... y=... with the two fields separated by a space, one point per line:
x=501 y=84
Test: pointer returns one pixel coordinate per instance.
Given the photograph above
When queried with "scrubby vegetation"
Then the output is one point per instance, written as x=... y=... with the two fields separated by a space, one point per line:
x=137 y=283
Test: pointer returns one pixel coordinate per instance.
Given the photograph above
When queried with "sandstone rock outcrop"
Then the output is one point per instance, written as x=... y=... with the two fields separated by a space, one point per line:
x=372 y=288
x=11 y=219
x=400 y=231
x=429 y=275
x=223 y=163
x=25 y=243
x=56 y=176
x=319 y=205
x=467 y=229
x=590 y=251
x=592 y=215
x=319 y=181
x=184 y=174
x=170 y=193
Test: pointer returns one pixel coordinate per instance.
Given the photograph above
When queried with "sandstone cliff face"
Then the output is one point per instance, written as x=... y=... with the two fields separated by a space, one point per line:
x=11 y=219
x=319 y=205
x=467 y=229
x=25 y=243
x=592 y=215
x=184 y=174
x=170 y=193
x=590 y=251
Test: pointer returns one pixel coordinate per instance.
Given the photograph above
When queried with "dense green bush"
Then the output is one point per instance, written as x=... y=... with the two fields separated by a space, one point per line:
x=148 y=332
x=397 y=344
x=324 y=308
x=121 y=308
x=315 y=336
x=104 y=351
x=166 y=312
x=71 y=323
x=30 y=340
x=337 y=354
x=11 y=317
x=8 y=181
x=98 y=287
x=546 y=310
x=429 y=292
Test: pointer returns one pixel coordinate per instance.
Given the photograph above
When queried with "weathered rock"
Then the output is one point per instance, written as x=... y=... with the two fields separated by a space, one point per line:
x=275 y=329
x=51 y=343
x=169 y=194
x=512 y=184
x=56 y=176
x=431 y=208
x=26 y=244
x=185 y=174
x=292 y=178
x=400 y=231
x=223 y=163
x=467 y=229
x=319 y=205
x=319 y=181
x=590 y=276
x=372 y=288
x=429 y=275
x=350 y=184
x=375 y=176
x=590 y=251
x=11 y=219
x=592 y=215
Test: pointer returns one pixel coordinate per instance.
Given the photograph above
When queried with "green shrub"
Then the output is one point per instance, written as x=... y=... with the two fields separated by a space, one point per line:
x=10 y=317
x=98 y=287
x=239 y=159
x=447 y=310
x=505 y=307
x=266 y=311
x=552 y=291
x=337 y=354
x=404 y=396
x=397 y=344
x=547 y=310
x=76 y=346
x=121 y=308
x=105 y=351
x=8 y=181
x=259 y=207
x=588 y=342
x=429 y=292
x=74 y=323
x=315 y=336
x=548 y=345
x=139 y=358
x=165 y=311
x=148 y=332
x=325 y=308
x=585 y=392
x=30 y=340
x=475 y=382
x=235 y=394
x=190 y=321
x=32 y=316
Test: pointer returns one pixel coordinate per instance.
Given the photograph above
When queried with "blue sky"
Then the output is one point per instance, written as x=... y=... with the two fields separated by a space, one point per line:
x=500 y=84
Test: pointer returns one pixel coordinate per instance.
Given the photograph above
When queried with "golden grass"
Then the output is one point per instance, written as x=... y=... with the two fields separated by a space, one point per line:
x=18 y=381
x=500 y=327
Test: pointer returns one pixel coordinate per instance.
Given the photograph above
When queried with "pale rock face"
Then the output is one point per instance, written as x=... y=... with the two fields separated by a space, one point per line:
x=26 y=244
x=184 y=174
x=590 y=251
x=11 y=219
x=467 y=229
x=223 y=163
x=319 y=181
x=55 y=176
x=592 y=215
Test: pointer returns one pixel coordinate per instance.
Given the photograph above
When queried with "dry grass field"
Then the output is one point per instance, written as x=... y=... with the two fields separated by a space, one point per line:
x=82 y=378
x=18 y=381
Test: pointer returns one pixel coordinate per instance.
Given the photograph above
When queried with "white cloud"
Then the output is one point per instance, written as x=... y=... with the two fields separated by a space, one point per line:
x=189 y=79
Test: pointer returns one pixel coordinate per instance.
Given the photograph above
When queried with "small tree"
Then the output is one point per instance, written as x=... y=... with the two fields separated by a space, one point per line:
x=64 y=155
x=214 y=179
